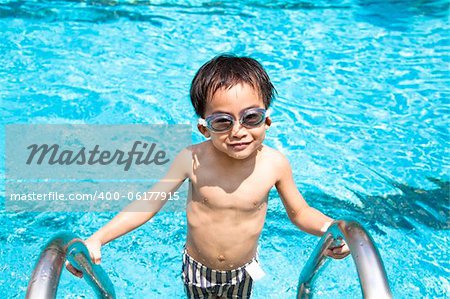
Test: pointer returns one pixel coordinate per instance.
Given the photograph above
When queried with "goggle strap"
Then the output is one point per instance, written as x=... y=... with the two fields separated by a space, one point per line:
x=202 y=122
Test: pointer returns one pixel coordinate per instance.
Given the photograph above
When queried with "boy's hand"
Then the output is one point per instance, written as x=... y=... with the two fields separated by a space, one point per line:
x=94 y=247
x=338 y=251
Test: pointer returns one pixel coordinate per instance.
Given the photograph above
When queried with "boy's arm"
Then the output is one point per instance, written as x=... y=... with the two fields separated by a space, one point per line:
x=300 y=213
x=140 y=211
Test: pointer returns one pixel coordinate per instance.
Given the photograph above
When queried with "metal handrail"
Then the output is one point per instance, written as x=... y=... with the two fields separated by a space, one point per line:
x=44 y=281
x=372 y=276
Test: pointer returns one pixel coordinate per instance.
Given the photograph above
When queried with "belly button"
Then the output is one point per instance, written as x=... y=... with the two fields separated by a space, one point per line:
x=221 y=258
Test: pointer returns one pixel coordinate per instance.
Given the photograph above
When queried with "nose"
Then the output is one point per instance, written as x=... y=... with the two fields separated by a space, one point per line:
x=238 y=130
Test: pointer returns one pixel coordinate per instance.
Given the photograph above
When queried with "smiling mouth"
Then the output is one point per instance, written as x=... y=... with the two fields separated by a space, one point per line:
x=239 y=145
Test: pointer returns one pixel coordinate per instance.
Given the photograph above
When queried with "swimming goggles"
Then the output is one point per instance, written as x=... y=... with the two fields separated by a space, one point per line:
x=223 y=122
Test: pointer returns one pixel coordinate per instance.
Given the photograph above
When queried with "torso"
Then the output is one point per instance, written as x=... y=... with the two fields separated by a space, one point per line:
x=226 y=208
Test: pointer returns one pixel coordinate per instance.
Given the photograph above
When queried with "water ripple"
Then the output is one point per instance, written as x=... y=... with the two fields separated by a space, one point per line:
x=362 y=114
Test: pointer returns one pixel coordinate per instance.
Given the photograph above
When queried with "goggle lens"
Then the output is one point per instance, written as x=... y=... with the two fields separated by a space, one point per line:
x=221 y=123
x=253 y=118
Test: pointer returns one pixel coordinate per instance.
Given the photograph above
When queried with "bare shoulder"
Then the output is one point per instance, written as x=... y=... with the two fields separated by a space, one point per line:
x=274 y=156
x=199 y=148
x=277 y=159
x=197 y=153
x=181 y=164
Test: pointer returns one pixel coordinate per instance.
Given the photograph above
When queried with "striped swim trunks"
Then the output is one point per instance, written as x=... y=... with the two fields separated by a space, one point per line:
x=203 y=282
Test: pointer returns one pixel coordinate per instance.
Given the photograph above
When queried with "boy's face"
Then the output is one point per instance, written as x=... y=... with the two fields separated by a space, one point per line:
x=239 y=142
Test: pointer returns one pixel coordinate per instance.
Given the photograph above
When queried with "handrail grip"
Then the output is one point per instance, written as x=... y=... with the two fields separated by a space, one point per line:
x=371 y=272
x=44 y=281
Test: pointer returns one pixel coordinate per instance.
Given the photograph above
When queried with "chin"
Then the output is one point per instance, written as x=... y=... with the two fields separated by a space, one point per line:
x=238 y=156
x=241 y=155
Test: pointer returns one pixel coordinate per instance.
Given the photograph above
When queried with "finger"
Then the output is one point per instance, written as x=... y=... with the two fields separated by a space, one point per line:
x=96 y=258
x=332 y=247
x=336 y=256
x=73 y=270
x=340 y=253
x=337 y=250
x=342 y=250
x=329 y=253
x=337 y=253
x=91 y=254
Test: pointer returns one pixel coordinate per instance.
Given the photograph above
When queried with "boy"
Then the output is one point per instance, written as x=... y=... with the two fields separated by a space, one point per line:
x=230 y=177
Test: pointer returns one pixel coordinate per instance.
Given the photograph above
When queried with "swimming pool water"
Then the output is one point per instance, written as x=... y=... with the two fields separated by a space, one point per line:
x=362 y=114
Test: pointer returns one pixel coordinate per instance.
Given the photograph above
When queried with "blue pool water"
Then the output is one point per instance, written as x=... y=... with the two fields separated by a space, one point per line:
x=362 y=113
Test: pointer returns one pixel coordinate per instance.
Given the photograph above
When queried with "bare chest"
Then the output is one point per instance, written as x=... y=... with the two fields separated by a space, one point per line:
x=218 y=190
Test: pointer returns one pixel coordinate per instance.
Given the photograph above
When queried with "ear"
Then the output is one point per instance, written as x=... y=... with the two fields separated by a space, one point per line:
x=268 y=122
x=204 y=131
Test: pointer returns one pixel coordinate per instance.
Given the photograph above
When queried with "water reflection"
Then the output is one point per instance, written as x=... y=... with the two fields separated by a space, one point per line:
x=399 y=15
x=412 y=208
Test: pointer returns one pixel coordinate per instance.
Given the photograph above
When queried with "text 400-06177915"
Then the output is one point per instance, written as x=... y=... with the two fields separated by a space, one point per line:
x=149 y=195
x=153 y=195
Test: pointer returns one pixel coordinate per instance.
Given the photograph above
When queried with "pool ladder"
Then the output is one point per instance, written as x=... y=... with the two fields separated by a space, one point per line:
x=372 y=276
x=45 y=278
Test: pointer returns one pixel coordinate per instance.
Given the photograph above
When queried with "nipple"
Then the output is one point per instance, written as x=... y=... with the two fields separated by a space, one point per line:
x=221 y=258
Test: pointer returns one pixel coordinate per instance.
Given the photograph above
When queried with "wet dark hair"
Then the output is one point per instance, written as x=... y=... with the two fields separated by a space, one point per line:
x=226 y=71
